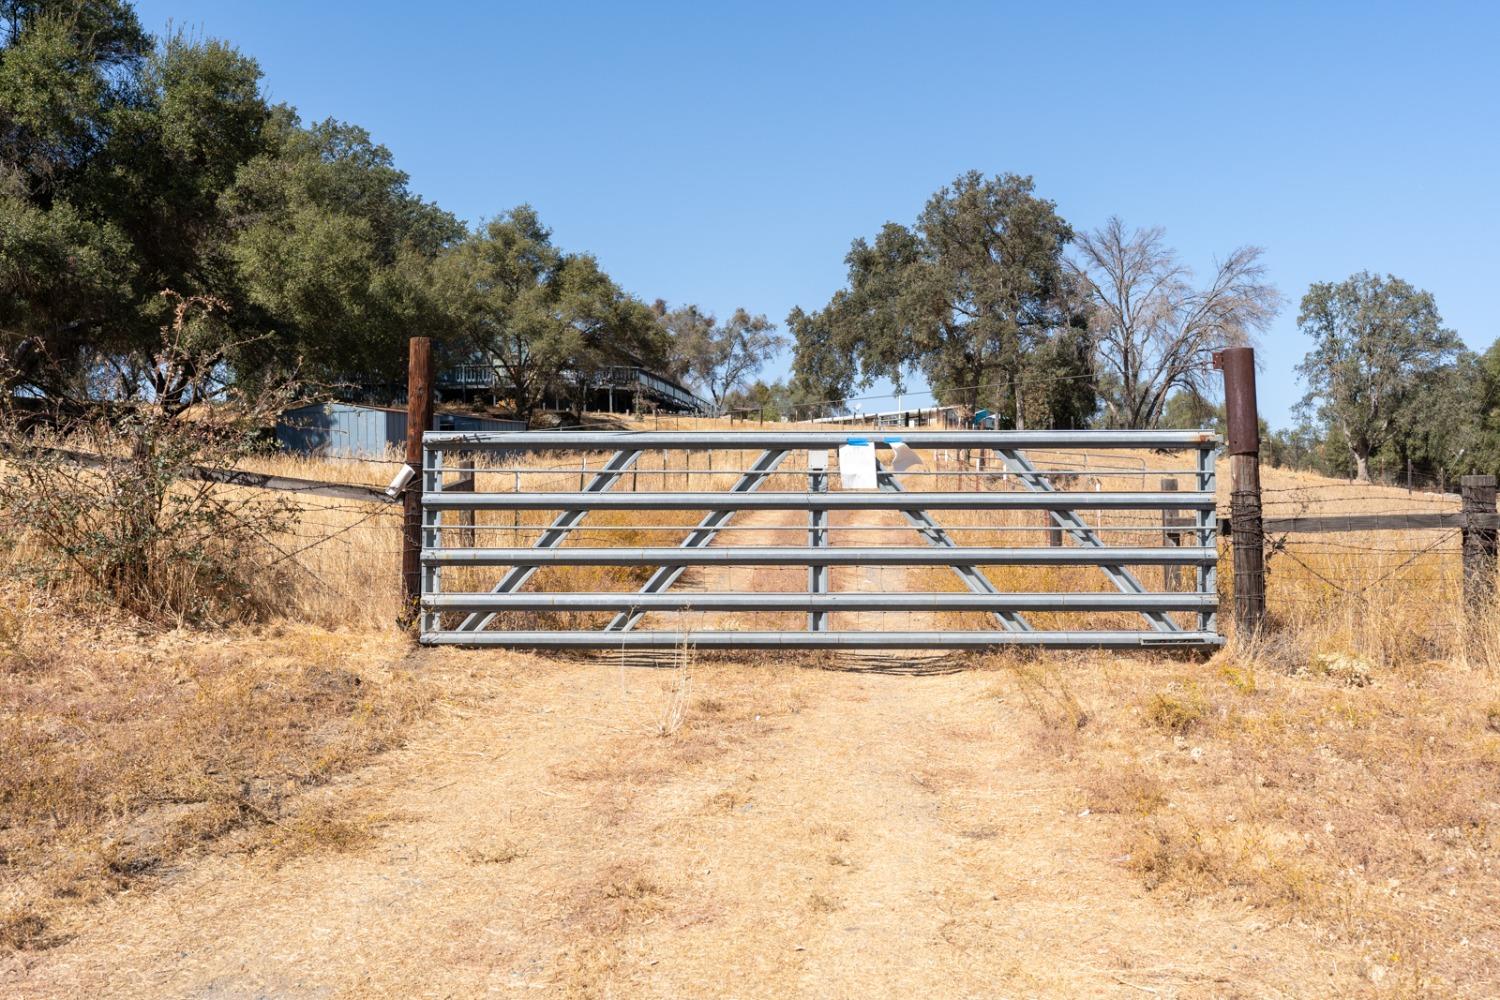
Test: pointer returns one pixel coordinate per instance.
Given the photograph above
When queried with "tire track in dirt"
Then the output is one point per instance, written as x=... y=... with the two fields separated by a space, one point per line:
x=805 y=833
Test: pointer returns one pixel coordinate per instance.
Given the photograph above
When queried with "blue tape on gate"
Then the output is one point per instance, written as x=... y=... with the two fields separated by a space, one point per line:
x=853 y=441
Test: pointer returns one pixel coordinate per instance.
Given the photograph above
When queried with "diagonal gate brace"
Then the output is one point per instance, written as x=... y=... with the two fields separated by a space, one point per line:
x=554 y=536
x=708 y=529
x=972 y=576
x=1018 y=464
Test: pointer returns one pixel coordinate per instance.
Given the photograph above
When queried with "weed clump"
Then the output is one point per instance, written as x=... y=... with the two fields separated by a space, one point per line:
x=1178 y=713
x=1133 y=791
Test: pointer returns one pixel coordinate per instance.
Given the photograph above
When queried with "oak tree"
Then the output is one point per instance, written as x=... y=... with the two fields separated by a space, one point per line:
x=1375 y=341
x=721 y=357
x=974 y=297
x=549 y=321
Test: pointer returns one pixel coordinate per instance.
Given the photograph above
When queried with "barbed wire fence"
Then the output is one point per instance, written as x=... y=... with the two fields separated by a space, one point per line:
x=1370 y=545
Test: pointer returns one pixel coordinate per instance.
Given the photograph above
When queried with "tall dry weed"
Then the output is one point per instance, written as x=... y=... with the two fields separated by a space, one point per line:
x=679 y=693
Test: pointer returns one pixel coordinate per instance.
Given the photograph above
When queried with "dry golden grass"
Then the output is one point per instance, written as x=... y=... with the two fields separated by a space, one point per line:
x=124 y=749
x=1313 y=814
x=1340 y=771
x=121 y=752
x=1357 y=796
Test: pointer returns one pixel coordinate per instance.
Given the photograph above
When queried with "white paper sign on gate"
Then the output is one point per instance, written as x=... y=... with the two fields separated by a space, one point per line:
x=857 y=465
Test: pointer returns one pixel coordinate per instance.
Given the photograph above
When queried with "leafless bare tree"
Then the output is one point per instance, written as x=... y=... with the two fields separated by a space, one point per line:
x=1152 y=331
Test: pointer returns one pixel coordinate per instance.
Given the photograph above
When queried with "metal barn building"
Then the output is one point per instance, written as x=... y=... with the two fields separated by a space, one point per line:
x=349 y=430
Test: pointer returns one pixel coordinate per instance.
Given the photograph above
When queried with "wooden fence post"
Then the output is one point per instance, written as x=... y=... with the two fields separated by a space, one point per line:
x=418 y=419
x=1170 y=521
x=1479 y=541
x=1055 y=533
x=1245 y=525
x=465 y=484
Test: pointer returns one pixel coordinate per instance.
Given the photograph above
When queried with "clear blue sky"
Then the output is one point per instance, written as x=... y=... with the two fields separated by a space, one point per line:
x=726 y=155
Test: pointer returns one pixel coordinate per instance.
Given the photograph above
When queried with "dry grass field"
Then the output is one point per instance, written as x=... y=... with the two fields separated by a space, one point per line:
x=309 y=805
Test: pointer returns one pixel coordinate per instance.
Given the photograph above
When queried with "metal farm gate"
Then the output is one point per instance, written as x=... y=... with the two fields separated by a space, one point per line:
x=966 y=539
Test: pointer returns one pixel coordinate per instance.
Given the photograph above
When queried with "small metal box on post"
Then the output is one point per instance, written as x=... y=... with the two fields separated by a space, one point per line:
x=1479 y=541
x=418 y=420
x=1245 y=525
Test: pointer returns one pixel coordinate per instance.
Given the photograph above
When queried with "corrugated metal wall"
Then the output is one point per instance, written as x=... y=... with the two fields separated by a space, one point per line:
x=468 y=422
x=350 y=431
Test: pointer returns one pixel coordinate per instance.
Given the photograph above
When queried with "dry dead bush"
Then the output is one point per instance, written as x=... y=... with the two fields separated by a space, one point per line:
x=102 y=491
x=1131 y=791
x=1181 y=709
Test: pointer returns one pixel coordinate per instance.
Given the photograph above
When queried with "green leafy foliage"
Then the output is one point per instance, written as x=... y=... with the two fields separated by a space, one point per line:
x=720 y=357
x=1393 y=395
x=1378 y=345
x=761 y=401
x=131 y=166
x=822 y=373
x=332 y=247
x=974 y=297
x=550 y=321
x=61 y=273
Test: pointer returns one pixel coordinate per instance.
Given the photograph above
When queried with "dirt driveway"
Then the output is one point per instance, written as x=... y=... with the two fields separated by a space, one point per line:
x=577 y=828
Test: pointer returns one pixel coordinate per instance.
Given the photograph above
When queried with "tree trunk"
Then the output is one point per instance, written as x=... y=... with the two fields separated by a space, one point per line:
x=1359 y=450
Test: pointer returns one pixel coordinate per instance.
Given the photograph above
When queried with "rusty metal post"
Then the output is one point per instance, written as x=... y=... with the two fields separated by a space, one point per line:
x=1246 y=528
x=418 y=419
x=1479 y=541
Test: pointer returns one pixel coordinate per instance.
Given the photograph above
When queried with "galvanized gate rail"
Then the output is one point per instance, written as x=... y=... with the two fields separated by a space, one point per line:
x=465 y=618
